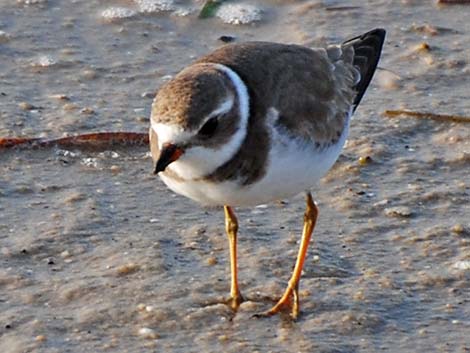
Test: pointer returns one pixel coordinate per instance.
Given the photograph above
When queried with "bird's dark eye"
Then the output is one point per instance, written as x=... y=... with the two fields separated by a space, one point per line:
x=208 y=129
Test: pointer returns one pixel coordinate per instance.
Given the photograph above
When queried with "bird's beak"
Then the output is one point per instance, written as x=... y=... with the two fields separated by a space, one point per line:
x=168 y=154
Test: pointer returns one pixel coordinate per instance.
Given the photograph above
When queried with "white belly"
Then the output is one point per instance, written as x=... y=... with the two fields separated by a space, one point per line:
x=293 y=168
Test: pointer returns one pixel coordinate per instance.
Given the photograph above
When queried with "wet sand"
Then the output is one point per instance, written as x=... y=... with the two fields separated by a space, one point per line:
x=96 y=255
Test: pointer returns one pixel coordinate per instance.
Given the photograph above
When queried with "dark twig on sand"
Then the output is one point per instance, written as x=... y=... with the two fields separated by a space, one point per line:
x=454 y=2
x=432 y=116
x=95 y=141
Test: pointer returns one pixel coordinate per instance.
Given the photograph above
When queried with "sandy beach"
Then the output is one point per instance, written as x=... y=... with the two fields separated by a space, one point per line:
x=97 y=255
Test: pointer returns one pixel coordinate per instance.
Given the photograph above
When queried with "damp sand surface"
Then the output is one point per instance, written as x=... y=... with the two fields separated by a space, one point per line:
x=96 y=255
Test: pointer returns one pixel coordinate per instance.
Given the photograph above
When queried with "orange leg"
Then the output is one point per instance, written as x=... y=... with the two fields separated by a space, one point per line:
x=231 y=227
x=290 y=298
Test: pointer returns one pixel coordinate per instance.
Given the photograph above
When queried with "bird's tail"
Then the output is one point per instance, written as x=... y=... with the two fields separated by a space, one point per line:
x=367 y=49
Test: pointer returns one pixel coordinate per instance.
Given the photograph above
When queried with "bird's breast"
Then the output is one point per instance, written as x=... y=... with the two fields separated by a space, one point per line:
x=293 y=166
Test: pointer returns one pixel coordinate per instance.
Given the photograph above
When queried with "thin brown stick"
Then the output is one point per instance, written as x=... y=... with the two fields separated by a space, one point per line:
x=96 y=141
x=342 y=8
x=10 y=142
x=454 y=2
x=421 y=115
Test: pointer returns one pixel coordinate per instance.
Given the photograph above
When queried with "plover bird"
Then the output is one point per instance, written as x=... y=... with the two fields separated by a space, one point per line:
x=256 y=122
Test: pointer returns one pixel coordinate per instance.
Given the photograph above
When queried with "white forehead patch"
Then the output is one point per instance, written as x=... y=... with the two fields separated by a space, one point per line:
x=168 y=133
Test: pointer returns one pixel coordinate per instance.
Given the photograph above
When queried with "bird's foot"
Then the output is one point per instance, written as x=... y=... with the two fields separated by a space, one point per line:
x=289 y=302
x=234 y=301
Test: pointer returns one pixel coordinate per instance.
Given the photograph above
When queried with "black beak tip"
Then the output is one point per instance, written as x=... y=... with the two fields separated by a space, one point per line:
x=161 y=165
x=158 y=168
x=169 y=154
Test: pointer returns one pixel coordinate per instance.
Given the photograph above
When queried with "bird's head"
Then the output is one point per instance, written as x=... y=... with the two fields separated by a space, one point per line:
x=198 y=120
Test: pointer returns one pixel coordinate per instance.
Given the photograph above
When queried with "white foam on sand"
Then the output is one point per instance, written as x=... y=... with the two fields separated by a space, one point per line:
x=151 y=6
x=117 y=13
x=239 y=14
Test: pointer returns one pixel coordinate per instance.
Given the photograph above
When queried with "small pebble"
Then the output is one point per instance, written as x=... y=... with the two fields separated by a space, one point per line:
x=428 y=60
x=26 y=106
x=127 y=269
x=68 y=51
x=458 y=229
x=147 y=333
x=87 y=111
x=449 y=306
x=183 y=11
x=364 y=160
x=388 y=80
x=68 y=107
x=223 y=338
x=4 y=37
x=211 y=261
x=61 y=97
x=359 y=295
x=115 y=168
x=381 y=203
x=422 y=47
x=399 y=211
x=44 y=61
x=462 y=265
x=370 y=273
x=40 y=338
x=227 y=38
x=89 y=74
x=31 y=2
x=149 y=94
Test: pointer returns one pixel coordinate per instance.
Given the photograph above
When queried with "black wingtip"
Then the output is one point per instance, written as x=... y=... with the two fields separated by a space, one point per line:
x=376 y=32
x=367 y=50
